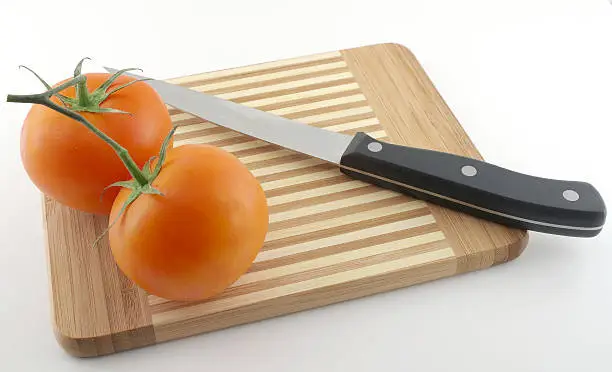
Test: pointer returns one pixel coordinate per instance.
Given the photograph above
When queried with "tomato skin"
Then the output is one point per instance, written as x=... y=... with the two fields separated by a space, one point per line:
x=70 y=164
x=201 y=235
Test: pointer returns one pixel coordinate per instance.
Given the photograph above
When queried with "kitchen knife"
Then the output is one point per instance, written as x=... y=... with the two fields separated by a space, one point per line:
x=468 y=185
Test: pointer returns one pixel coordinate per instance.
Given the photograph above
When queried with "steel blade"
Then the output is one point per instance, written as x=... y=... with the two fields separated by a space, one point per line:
x=309 y=140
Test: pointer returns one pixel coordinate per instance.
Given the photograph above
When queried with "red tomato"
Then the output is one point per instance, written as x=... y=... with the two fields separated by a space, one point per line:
x=201 y=235
x=69 y=163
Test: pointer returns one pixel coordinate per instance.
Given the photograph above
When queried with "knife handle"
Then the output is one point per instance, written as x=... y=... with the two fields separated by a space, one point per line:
x=478 y=188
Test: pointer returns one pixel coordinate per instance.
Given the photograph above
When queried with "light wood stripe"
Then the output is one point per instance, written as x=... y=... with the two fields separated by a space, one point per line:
x=349 y=88
x=320 y=94
x=287 y=166
x=231 y=141
x=258 y=150
x=315 y=200
x=313 y=208
x=277 y=105
x=339 y=248
x=339 y=258
x=310 y=184
x=184 y=117
x=195 y=127
x=348 y=185
x=272 y=254
x=353 y=125
x=340 y=211
x=249 y=69
x=268 y=77
x=208 y=139
x=295 y=157
x=334 y=205
x=296 y=172
x=379 y=134
x=262 y=171
x=245 y=146
x=349 y=259
x=342 y=228
x=293 y=85
x=210 y=307
x=297 y=180
x=194 y=131
x=217 y=129
x=319 y=105
x=267 y=156
x=344 y=220
x=335 y=115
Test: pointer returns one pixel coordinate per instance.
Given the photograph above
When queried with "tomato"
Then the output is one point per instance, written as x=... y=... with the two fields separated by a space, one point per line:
x=69 y=163
x=200 y=235
x=184 y=228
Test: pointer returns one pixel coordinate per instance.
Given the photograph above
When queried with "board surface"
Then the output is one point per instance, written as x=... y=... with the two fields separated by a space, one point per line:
x=331 y=238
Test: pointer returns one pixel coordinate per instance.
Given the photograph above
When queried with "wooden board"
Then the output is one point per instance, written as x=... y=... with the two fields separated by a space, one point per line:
x=331 y=238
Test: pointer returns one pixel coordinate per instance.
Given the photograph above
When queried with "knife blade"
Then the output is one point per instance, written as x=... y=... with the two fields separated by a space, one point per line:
x=471 y=186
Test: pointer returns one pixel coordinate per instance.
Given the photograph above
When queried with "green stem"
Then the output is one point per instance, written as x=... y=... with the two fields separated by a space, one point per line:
x=131 y=166
x=30 y=97
x=43 y=99
x=82 y=94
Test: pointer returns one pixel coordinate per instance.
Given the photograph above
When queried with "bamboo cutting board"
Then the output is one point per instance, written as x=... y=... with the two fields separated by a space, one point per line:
x=331 y=238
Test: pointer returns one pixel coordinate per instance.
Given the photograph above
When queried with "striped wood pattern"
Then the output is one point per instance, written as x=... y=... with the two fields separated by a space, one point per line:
x=331 y=238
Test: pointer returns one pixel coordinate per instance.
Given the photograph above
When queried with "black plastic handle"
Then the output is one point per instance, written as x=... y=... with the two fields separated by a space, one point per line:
x=478 y=188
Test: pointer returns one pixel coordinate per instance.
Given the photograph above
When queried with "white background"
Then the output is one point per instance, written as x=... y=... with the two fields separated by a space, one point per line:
x=530 y=80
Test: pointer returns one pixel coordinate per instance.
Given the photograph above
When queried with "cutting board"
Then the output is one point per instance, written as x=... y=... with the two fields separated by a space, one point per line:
x=331 y=238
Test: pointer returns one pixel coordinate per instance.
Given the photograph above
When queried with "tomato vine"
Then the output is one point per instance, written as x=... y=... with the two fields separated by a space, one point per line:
x=85 y=101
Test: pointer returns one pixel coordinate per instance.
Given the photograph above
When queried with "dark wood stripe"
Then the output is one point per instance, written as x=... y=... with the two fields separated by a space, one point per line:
x=256 y=151
x=261 y=72
x=315 y=183
x=281 y=80
x=324 y=233
x=326 y=110
x=368 y=129
x=302 y=114
x=284 y=92
x=277 y=161
x=220 y=130
x=292 y=103
x=344 y=120
x=344 y=247
x=345 y=211
x=366 y=189
x=231 y=141
x=200 y=133
x=189 y=121
x=173 y=111
x=307 y=275
x=307 y=100
x=295 y=172
x=335 y=268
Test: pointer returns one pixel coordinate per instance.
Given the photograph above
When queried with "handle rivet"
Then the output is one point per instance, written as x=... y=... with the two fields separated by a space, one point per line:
x=374 y=146
x=468 y=171
x=570 y=195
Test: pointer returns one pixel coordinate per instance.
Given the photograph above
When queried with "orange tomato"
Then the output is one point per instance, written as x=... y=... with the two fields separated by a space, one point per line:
x=69 y=163
x=201 y=235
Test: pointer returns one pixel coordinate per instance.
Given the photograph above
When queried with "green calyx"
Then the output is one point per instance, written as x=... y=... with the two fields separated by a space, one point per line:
x=84 y=101
x=142 y=178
